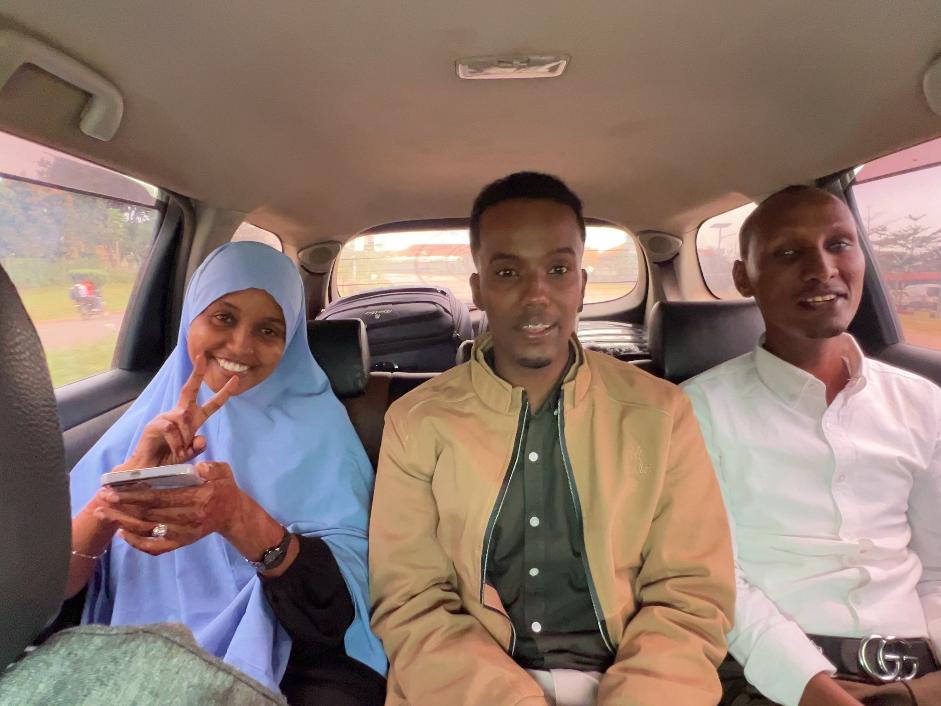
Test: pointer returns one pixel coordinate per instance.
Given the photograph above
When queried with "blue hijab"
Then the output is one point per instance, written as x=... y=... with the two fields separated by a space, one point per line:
x=291 y=447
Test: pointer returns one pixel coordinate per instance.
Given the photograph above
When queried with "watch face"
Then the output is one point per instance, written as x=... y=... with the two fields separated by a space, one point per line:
x=271 y=557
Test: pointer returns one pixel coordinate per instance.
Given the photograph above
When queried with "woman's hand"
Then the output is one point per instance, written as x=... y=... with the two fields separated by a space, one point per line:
x=171 y=437
x=189 y=514
x=92 y=530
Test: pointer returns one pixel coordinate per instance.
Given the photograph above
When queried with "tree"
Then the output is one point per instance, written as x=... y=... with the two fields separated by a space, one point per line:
x=913 y=247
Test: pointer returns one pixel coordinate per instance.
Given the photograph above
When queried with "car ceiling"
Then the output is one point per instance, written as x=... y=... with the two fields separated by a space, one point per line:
x=321 y=119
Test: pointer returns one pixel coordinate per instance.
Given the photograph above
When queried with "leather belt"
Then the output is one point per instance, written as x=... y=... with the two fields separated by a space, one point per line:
x=878 y=659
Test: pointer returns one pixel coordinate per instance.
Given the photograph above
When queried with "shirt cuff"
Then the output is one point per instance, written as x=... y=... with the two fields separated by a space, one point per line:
x=781 y=663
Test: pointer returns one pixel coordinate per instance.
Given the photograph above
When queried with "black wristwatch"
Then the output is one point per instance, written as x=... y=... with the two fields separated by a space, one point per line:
x=272 y=557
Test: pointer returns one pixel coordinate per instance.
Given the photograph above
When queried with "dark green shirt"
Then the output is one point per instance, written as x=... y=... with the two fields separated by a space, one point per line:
x=536 y=555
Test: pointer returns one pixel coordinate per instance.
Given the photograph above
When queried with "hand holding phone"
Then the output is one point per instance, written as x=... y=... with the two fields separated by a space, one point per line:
x=181 y=475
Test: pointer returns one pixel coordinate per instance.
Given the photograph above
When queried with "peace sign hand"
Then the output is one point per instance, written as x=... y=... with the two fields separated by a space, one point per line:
x=171 y=437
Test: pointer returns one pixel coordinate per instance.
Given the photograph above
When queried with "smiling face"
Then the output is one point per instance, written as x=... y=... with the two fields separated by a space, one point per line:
x=240 y=334
x=804 y=266
x=529 y=282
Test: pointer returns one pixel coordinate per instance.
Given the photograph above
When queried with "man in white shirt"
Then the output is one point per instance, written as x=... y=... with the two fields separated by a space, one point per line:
x=830 y=466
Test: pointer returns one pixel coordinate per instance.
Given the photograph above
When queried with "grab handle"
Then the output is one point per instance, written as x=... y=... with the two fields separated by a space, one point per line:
x=104 y=110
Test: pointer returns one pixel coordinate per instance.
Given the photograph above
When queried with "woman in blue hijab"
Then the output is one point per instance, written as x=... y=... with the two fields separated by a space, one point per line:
x=270 y=549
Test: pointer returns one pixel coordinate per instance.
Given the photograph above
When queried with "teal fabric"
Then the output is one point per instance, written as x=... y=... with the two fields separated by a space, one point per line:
x=94 y=665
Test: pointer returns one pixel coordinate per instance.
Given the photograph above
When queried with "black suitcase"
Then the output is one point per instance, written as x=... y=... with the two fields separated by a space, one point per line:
x=410 y=329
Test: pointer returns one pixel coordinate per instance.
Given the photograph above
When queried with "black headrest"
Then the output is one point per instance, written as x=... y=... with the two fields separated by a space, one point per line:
x=34 y=500
x=687 y=338
x=341 y=348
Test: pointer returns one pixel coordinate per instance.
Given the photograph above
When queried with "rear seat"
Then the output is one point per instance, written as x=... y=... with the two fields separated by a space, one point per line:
x=688 y=338
x=341 y=348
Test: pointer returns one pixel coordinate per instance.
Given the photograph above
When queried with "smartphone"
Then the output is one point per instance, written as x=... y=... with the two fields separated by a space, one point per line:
x=181 y=475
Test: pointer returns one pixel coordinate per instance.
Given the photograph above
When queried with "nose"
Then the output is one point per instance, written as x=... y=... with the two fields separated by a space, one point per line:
x=537 y=289
x=819 y=265
x=242 y=340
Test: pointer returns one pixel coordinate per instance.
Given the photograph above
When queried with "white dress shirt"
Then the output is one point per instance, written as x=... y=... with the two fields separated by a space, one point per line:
x=835 y=510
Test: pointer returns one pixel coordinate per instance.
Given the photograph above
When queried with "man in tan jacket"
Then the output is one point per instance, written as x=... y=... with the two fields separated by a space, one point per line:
x=546 y=528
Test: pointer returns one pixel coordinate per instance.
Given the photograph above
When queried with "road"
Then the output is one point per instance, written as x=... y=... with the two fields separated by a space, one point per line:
x=65 y=333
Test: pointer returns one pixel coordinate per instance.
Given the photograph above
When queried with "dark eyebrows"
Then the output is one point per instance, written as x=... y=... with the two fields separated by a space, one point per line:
x=275 y=320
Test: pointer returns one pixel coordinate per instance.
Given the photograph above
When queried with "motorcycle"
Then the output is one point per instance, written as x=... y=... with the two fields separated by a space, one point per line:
x=89 y=304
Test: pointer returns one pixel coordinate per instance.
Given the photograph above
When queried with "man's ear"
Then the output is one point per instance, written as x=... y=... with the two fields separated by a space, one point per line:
x=475 y=291
x=740 y=278
x=581 y=301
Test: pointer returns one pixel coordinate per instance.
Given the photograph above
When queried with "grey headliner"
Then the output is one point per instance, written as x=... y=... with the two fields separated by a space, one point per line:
x=321 y=119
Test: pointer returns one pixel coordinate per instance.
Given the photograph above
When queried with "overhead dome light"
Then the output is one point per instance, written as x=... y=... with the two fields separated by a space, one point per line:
x=486 y=67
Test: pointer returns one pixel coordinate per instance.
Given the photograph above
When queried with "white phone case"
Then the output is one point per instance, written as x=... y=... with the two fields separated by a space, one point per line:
x=182 y=475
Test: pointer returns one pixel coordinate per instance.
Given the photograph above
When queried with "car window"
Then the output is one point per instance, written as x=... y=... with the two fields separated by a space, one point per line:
x=717 y=249
x=897 y=200
x=73 y=236
x=247 y=231
x=442 y=258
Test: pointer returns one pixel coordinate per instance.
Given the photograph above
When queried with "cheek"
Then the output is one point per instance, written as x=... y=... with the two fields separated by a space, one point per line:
x=198 y=340
x=495 y=300
x=270 y=358
x=855 y=273
x=569 y=296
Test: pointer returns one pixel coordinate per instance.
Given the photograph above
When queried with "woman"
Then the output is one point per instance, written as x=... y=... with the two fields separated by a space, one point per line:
x=288 y=487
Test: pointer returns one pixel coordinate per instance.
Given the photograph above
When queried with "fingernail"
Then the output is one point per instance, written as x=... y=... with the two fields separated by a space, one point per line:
x=99 y=513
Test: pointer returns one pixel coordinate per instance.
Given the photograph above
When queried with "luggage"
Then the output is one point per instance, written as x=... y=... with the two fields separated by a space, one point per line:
x=410 y=329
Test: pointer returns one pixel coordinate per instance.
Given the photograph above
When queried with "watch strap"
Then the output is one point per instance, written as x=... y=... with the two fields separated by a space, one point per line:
x=274 y=556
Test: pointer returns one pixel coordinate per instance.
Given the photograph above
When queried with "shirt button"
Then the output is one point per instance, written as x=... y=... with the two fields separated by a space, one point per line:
x=533 y=521
x=533 y=456
x=536 y=626
x=841 y=478
x=534 y=571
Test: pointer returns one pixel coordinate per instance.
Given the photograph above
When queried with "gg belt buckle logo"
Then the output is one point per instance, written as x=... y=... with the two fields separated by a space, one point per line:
x=891 y=661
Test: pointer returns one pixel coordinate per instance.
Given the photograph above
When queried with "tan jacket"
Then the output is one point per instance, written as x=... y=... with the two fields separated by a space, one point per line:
x=656 y=537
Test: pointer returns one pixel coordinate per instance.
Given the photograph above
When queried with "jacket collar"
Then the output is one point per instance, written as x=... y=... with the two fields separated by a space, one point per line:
x=499 y=395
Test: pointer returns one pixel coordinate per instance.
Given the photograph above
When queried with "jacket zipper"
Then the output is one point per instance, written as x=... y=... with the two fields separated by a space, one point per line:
x=498 y=506
x=581 y=528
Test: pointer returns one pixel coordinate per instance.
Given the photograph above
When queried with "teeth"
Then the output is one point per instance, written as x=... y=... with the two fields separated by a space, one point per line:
x=535 y=327
x=231 y=366
x=824 y=298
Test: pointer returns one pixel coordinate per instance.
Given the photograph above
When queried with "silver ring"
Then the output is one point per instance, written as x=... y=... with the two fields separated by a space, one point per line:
x=159 y=531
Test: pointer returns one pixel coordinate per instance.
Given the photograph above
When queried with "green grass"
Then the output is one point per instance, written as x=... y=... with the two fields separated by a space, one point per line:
x=52 y=303
x=72 y=363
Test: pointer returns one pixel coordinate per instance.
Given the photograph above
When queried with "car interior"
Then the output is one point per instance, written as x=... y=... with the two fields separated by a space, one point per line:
x=317 y=126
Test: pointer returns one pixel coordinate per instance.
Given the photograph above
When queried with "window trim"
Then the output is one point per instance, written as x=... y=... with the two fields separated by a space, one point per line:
x=594 y=309
x=702 y=274
x=876 y=317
